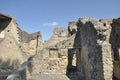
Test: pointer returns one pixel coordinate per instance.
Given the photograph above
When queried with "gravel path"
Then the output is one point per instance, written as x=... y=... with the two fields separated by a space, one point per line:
x=50 y=77
x=70 y=76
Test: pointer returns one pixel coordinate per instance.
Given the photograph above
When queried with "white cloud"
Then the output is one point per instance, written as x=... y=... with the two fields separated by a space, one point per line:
x=50 y=24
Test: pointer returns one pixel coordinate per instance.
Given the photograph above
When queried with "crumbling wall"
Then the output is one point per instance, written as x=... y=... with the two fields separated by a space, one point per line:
x=52 y=58
x=95 y=59
x=90 y=47
x=55 y=54
x=59 y=34
x=14 y=46
x=9 y=46
x=26 y=37
x=31 y=42
x=113 y=37
x=115 y=42
x=72 y=28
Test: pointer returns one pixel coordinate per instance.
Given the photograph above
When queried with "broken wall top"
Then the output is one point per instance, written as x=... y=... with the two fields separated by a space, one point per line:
x=115 y=33
x=26 y=37
x=59 y=32
x=72 y=27
x=4 y=16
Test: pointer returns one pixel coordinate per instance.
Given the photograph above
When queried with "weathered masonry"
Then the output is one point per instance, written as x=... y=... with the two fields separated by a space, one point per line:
x=88 y=50
x=115 y=44
x=9 y=41
x=100 y=55
x=15 y=46
x=10 y=54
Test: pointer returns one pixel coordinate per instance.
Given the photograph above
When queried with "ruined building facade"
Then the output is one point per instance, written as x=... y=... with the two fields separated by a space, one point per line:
x=15 y=45
x=89 y=48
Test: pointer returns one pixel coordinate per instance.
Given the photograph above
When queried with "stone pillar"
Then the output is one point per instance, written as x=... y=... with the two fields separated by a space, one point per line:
x=96 y=60
x=115 y=42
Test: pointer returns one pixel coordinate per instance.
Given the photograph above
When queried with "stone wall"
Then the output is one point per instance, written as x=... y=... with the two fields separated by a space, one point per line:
x=72 y=27
x=89 y=46
x=113 y=36
x=26 y=37
x=95 y=58
x=9 y=46
x=115 y=42
x=13 y=51
x=55 y=55
x=31 y=42
x=59 y=34
x=55 y=52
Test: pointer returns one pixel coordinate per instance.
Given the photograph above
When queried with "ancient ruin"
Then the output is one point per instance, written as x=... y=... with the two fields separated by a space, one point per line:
x=87 y=50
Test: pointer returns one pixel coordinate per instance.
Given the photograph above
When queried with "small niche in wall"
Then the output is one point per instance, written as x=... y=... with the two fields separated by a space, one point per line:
x=69 y=43
x=8 y=30
x=19 y=40
x=10 y=42
x=104 y=24
x=53 y=53
x=20 y=46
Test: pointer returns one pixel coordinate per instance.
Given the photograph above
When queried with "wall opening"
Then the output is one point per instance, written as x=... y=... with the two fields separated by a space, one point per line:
x=71 y=67
x=53 y=53
x=104 y=24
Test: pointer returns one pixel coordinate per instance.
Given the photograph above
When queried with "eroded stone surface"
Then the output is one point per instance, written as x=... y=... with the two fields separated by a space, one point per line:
x=85 y=51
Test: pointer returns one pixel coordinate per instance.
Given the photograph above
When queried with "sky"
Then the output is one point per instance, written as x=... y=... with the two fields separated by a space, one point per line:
x=45 y=15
